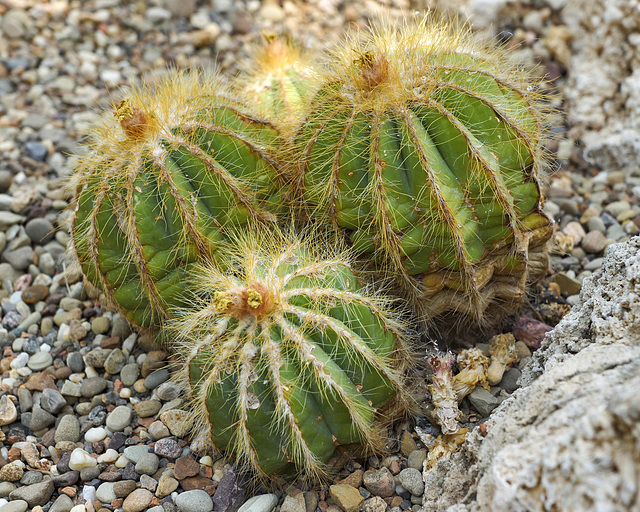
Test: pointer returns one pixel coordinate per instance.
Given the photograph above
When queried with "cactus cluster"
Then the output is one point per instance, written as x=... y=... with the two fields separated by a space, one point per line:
x=416 y=147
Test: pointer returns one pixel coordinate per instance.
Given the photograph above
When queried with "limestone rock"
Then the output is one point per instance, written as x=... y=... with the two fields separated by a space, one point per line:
x=569 y=438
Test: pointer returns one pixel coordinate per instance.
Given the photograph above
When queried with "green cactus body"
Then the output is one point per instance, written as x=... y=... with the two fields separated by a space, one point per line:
x=162 y=187
x=424 y=148
x=289 y=358
x=278 y=79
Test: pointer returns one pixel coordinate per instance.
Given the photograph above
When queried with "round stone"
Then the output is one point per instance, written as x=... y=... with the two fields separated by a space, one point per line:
x=68 y=429
x=93 y=386
x=105 y=493
x=95 y=434
x=119 y=418
x=411 y=480
x=39 y=361
x=100 y=325
x=52 y=401
x=36 y=150
x=194 y=501
x=135 y=453
x=156 y=378
x=379 y=482
x=129 y=374
x=147 y=464
x=115 y=362
x=80 y=460
x=75 y=362
x=40 y=230
x=138 y=500
x=168 y=448
x=35 y=293
x=147 y=408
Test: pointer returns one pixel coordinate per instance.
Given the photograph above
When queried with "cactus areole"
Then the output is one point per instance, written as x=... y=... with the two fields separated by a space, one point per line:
x=424 y=147
x=169 y=175
x=288 y=358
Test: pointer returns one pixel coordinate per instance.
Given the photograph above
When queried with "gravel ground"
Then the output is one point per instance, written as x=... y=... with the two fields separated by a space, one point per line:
x=89 y=420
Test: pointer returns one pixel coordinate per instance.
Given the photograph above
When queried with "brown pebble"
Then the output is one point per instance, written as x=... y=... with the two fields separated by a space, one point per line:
x=354 y=479
x=407 y=443
x=69 y=491
x=186 y=467
x=40 y=381
x=110 y=476
x=196 y=482
x=63 y=373
x=394 y=467
x=111 y=342
x=117 y=503
x=35 y=293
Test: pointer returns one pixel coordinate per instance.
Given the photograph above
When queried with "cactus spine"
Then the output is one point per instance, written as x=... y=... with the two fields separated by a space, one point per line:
x=288 y=357
x=424 y=148
x=166 y=180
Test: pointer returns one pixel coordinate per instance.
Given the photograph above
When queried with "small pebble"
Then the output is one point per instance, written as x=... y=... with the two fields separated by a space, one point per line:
x=194 y=501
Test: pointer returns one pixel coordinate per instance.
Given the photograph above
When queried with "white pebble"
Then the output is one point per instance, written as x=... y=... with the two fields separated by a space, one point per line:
x=78 y=508
x=91 y=372
x=63 y=335
x=10 y=382
x=125 y=393
x=80 y=460
x=45 y=348
x=20 y=361
x=3 y=502
x=206 y=460
x=89 y=493
x=109 y=456
x=122 y=462
x=23 y=372
x=76 y=377
x=95 y=434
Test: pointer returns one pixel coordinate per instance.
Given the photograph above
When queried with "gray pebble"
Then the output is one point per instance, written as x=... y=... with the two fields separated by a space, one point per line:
x=168 y=448
x=68 y=429
x=120 y=327
x=20 y=259
x=62 y=504
x=119 y=419
x=134 y=453
x=26 y=402
x=416 y=459
x=93 y=386
x=594 y=264
x=39 y=230
x=97 y=357
x=617 y=207
x=168 y=391
x=6 y=180
x=15 y=506
x=596 y=224
x=261 y=503
x=115 y=362
x=36 y=150
x=483 y=401
x=71 y=389
x=411 y=480
x=8 y=219
x=31 y=477
x=147 y=464
x=75 y=362
x=509 y=380
x=156 y=378
x=6 y=488
x=129 y=374
x=52 y=401
x=194 y=501
x=40 y=360
x=47 y=264
x=88 y=474
x=36 y=494
x=40 y=419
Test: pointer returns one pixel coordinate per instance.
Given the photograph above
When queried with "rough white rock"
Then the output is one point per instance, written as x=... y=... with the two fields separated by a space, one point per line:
x=80 y=460
x=570 y=438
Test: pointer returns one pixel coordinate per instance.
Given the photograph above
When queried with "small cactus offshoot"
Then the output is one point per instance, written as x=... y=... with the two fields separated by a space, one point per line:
x=168 y=176
x=288 y=358
x=424 y=146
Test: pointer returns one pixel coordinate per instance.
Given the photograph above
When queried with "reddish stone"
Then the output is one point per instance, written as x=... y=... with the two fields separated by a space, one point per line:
x=118 y=385
x=186 y=467
x=14 y=454
x=196 y=482
x=146 y=422
x=111 y=342
x=117 y=503
x=394 y=467
x=35 y=293
x=40 y=381
x=69 y=491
